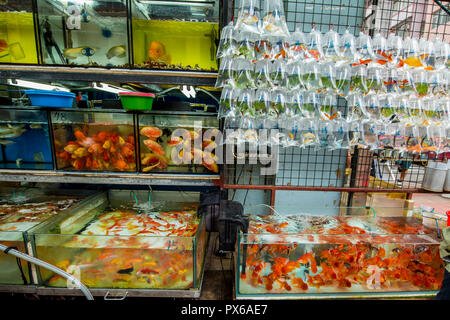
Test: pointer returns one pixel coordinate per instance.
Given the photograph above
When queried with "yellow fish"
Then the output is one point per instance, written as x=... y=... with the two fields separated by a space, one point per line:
x=73 y=53
x=117 y=51
x=412 y=62
x=157 y=53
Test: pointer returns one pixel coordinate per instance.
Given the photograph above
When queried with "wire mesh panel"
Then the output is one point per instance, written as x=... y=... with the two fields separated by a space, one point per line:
x=355 y=169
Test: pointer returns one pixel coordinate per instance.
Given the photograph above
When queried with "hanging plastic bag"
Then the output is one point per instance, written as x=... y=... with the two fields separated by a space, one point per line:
x=280 y=47
x=355 y=134
x=325 y=134
x=356 y=108
x=370 y=135
x=348 y=48
x=297 y=46
x=262 y=76
x=294 y=80
x=225 y=75
x=277 y=103
x=328 y=109
x=263 y=49
x=442 y=54
x=421 y=82
x=405 y=81
x=245 y=74
x=226 y=103
x=227 y=44
x=364 y=50
x=373 y=109
x=412 y=139
x=359 y=75
x=379 y=45
x=248 y=16
x=245 y=48
x=314 y=46
x=385 y=137
x=391 y=84
x=277 y=74
x=427 y=54
x=400 y=139
x=261 y=104
x=308 y=133
x=274 y=20
x=311 y=103
x=394 y=46
x=311 y=76
x=387 y=107
x=340 y=139
x=331 y=47
x=341 y=80
x=374 y=80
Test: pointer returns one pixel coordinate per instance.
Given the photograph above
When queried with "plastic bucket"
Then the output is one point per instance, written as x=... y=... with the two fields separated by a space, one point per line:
x=434 y=178
x=136 y=100
x=447 y=179
x=45 y=98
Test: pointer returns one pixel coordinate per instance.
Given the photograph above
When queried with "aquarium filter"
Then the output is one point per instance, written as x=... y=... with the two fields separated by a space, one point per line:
x=231 y=218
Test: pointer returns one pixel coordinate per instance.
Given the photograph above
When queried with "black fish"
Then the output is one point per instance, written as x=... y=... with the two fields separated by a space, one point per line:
x=126 y=271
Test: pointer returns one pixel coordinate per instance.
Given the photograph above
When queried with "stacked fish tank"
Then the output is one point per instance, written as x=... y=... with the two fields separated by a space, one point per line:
x=127 y=239
x=84 y=33
x=94 y=141
x=22 y=209
x=178 y=143
x=175 y=35
x=310 y=256
x=24 y=140
x=17 y=36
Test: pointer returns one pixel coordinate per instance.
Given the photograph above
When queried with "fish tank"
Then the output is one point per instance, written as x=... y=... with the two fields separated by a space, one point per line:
x=17 y=32
x=83 y=33
x=94 y=141
x=179 y=142
x=21 y=209
x=175 y=35
x=24 y=139
x=127 y=239
x=299 y=256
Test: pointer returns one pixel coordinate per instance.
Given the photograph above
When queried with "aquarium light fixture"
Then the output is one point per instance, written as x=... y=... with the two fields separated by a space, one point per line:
x=188 y=91
x=180 y=3
x=34 y=85
x=108 y=88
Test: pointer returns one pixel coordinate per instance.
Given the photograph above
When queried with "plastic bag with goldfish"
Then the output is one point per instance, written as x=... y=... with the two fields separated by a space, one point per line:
x=227 y=44
x=274 y=20
x=248 y=16
x=225 y=75
x=297 y=46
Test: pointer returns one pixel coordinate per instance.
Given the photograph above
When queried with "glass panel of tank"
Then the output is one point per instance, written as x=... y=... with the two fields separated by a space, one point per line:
x=176 y=35
x=84 y=32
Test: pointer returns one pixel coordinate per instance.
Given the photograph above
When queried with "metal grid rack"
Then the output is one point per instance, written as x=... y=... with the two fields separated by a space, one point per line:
x=350 y=170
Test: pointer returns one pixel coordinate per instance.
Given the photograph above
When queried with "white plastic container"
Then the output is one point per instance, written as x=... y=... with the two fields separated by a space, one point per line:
x=434 y=178
x=447 y=179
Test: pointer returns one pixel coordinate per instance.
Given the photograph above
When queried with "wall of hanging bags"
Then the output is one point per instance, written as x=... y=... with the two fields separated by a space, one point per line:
x=329 y=90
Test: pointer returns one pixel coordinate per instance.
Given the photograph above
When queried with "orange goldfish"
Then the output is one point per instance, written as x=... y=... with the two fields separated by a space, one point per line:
x=154 y=146
x=157 y=53
x=151 y=132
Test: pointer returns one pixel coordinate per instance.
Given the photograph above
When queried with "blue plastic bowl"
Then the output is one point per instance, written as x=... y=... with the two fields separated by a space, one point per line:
x=57 y=99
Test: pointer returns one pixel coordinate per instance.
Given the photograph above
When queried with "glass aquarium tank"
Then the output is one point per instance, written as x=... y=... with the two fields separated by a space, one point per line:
x=84 y=32
x=179 y=142
x=175 y=35
x=17 y=32
x=21 y=209
x=305 y=256
x=24 y=140
x=94 y=141
x=127 y=239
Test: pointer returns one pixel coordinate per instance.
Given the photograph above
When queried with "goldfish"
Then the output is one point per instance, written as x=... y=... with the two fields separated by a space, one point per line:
x=74 y=53
x=154 y=147
x=157 y=53
x=174 y=141
x=410 y=61
x=3 y=45
x=151 y=132
x=117 y=51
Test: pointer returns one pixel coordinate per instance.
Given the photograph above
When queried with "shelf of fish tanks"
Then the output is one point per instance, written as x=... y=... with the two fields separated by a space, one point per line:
x=351 y=256
x=35 y=72
x=120 y=242
x=106 y=146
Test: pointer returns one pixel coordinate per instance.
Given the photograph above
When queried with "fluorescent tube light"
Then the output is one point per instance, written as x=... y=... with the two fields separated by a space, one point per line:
x=34 y=85
x=108 y=88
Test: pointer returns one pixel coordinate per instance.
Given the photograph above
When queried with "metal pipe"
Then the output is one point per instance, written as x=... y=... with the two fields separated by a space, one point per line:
x=50 y=267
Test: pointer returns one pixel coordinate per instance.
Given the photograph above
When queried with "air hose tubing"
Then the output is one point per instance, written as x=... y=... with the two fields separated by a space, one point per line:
x=50 y=267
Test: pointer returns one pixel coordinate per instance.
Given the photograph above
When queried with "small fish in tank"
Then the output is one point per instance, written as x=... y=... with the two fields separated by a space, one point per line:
x=116 y=52
x=157 y=53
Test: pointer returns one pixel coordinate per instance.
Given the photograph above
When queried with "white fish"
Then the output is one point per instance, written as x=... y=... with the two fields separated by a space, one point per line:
x=117 y=51
x=6 y=142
